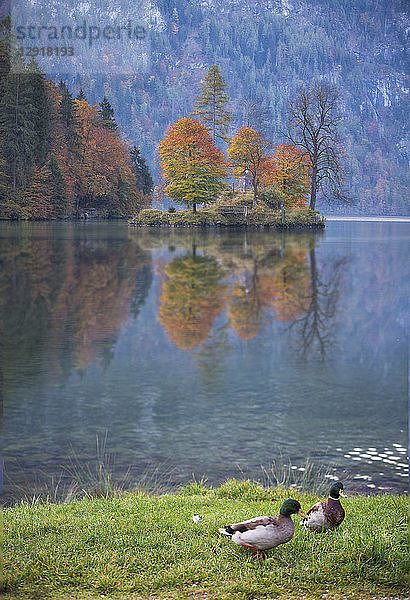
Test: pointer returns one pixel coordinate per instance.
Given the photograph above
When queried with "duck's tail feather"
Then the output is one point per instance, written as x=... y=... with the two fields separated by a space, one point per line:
x=228 y=531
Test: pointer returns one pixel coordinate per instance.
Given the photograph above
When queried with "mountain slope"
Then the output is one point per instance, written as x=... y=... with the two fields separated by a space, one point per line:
x=269 y=48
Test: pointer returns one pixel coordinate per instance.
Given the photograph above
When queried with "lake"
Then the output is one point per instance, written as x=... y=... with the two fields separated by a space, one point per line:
x=205 y=354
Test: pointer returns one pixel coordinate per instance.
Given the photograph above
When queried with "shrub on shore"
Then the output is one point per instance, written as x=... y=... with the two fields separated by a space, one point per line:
x=258 y=216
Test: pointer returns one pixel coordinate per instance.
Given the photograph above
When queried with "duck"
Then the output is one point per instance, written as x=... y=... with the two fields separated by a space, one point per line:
x=263 y=533
x=326 y=514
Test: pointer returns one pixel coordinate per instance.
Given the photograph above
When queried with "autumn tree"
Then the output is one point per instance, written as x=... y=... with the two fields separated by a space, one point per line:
x=247 y=152
x=192 y=167
x=57 y=153
x=105 y=179
x=46 y=197
x=211 y=104
x=314 y=119
x=287 y=171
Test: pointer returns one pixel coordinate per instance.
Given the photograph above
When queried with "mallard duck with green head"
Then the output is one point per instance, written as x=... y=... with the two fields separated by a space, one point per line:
x=326 y=514
x=264 y=533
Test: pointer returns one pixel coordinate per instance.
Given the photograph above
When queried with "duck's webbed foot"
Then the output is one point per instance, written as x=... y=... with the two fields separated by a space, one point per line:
x=255 y=550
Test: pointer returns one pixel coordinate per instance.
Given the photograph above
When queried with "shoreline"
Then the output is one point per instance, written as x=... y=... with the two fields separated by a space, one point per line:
x=137 y=546
x=374 y=219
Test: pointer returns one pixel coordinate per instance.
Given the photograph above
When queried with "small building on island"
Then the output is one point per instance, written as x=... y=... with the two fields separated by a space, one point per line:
x=245 y=182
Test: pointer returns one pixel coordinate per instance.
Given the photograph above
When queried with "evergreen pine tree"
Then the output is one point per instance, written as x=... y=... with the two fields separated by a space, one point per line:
x=141 y=171
x=35 y=201
x=81 y=95
x=5 y=42
x=58 y=189
x=37 y=90
x=211 y=104
x=107 y=114
x=22 y=124
x=4 y=178
x=66 y=105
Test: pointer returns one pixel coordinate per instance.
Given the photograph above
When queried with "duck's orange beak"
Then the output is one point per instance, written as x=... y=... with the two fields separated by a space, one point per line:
x=343 y=495
x=302 y=514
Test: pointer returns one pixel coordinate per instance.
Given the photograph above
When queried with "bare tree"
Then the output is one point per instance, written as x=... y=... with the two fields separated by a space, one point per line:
x=314 y=119
x=255 y=114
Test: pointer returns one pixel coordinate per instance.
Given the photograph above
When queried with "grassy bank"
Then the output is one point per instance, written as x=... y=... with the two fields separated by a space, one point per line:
x=256 y=217
x=136 y=546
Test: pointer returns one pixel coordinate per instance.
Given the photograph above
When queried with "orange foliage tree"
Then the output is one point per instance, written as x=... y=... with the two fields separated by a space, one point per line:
x=247 y=152
x=46 y=197
x=287 y=171
x=104 y=170
x=192 y=167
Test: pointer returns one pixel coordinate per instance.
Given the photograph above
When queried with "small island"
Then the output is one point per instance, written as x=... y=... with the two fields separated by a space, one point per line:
x=277 y=183
x=234 y=209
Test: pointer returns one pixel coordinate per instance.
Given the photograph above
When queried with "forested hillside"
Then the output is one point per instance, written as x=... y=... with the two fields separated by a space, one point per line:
x=267 y=49
x=60 y=156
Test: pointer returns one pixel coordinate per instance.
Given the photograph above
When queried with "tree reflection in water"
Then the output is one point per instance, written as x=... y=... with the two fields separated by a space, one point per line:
x=314 y=331
x=71 y=295
x=192 y=295
x=275 y=276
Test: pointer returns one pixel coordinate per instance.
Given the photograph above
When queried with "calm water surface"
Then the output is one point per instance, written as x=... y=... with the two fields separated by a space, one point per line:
x=205 y=354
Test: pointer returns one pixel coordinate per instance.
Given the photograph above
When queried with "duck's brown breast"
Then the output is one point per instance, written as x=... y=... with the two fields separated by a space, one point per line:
x=334 y=512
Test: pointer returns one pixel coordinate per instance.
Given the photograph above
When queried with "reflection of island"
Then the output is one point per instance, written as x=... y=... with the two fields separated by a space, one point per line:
x=192 y=295
x=69 y=299
x=270 y=276
x=282 y=286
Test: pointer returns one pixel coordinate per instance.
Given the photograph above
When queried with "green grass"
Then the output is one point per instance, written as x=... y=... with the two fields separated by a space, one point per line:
x=136 y=546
